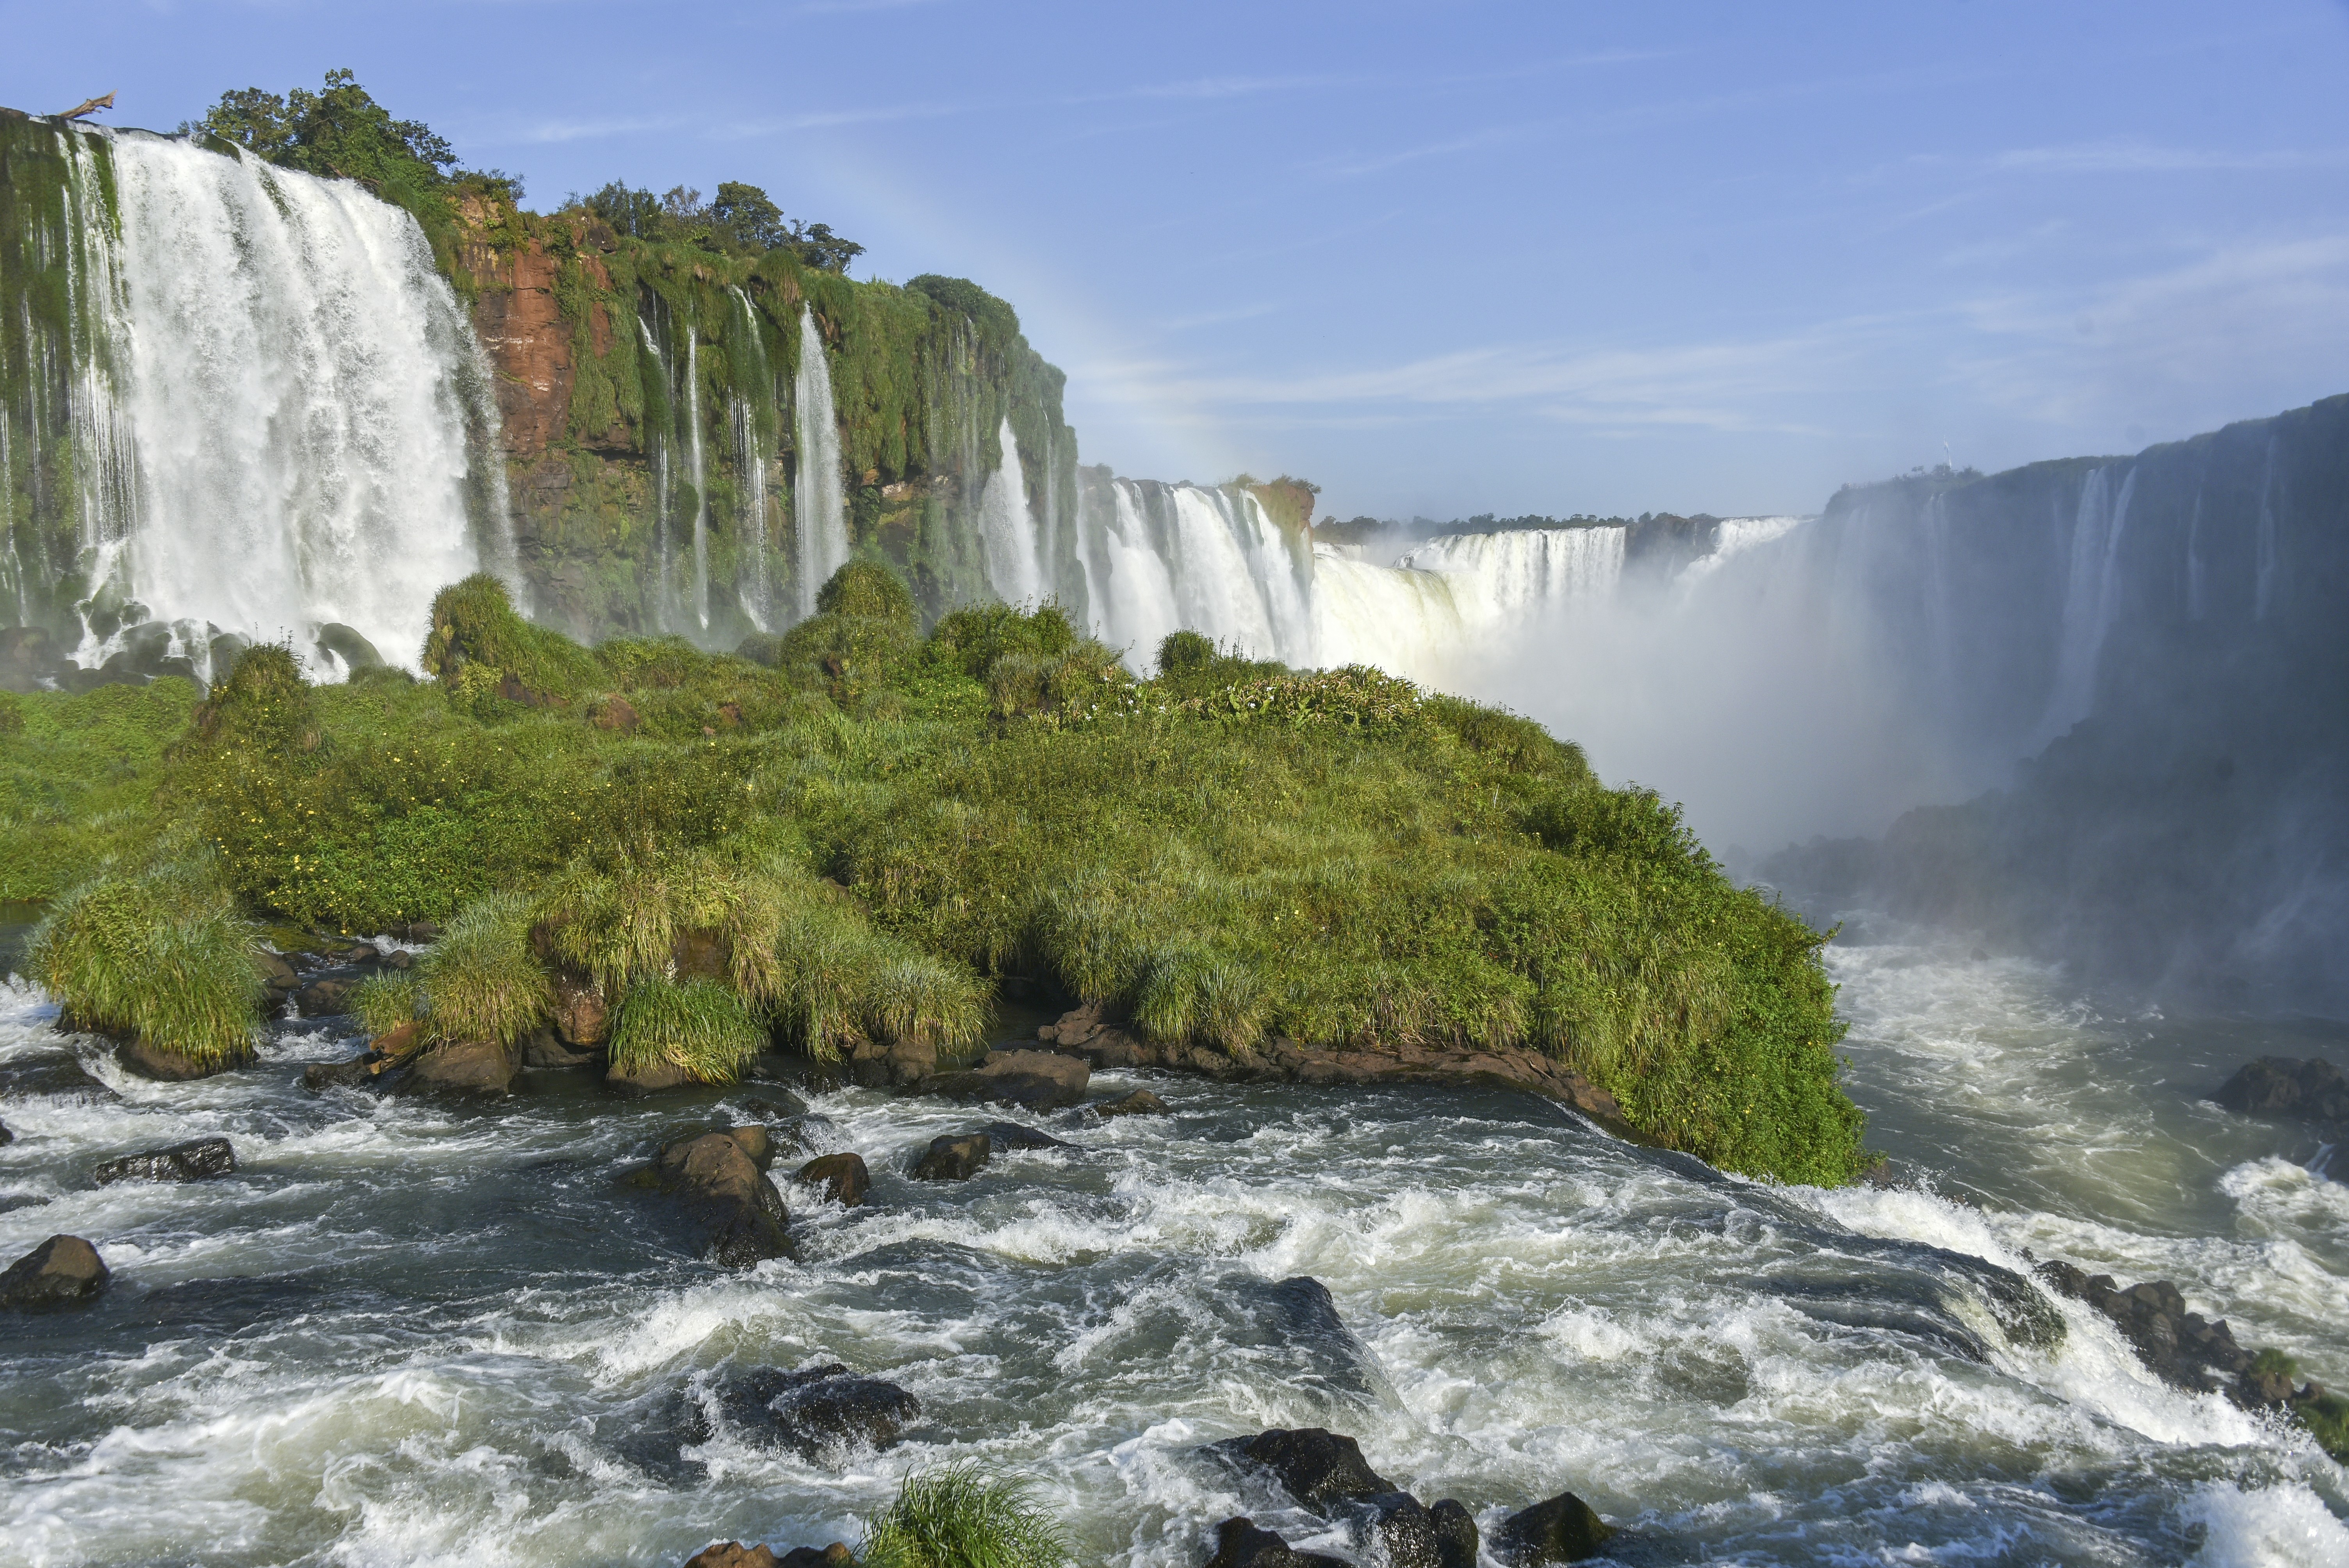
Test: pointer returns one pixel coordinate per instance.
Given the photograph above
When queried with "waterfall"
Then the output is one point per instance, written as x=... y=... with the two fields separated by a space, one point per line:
x=697 y=475
x=1157 y=558
x=1008 y=542
x=819 y=500
x=1502 y=578
x=750 y=457
x=2091 y=599
x=1407 y=623
x=282 y=411
x=658 y=434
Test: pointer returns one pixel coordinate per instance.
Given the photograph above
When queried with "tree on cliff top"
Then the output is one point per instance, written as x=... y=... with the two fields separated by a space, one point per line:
x=342 y=133
x=740 y=219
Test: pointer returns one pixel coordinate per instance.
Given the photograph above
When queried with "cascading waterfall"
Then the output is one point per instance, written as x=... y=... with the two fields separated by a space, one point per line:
x=2091 y=599
x=751 y=455
x=1503 y=577
x=1158 y=558
x=1015 y=567
x=819 y=498
x=279 y=419
x=659 y=437
x=697 y=474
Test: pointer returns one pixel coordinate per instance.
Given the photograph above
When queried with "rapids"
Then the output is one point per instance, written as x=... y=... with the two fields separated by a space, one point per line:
x=404 y=1333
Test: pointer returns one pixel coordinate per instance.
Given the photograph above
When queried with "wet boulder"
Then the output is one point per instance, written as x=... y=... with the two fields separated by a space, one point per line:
x=6 y=1136
x=951 y=1159
x=1455 y=1533
x=2181 y=1347
x=190 y=1161
x=823 y=1412
x=1033 y=1080
x=51 y=1074
x=1141 y=1102
x=651 y=1079
x=462 y=1067
x=152 y=1061
x=62 y=1272
x=1563 y=1530
x=842 y=1178
x=277 y=973
x=544 y=1050
x=1240 y=1543
x=1011 y=1135
x=346 y=645
x=350 y=1073
x=2313 y=1088
x=1320 y=1469
x=737 y=1210
x=326 y=996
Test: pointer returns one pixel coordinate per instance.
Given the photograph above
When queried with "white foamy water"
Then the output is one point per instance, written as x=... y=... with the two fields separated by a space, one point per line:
x=415 y=1334
x=295 y=403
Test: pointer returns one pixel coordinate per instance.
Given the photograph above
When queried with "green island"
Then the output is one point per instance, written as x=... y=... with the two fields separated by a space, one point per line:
x=841 y=844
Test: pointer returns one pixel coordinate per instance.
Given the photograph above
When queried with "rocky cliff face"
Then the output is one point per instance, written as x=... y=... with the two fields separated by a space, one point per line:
x=652 y=400
x=2160 y=636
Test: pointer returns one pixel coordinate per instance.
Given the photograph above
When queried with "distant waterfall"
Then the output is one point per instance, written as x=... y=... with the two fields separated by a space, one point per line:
x=819 y=500
x=1158 y=558
x=1409 y=623
x=697 y=474
x=2091 y=599
x=748 y=422
x=282 y=418
x=1006 y=530
x=1504 y=577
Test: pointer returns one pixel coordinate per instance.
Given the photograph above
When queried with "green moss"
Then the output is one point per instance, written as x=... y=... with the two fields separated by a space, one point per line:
x=158 y=953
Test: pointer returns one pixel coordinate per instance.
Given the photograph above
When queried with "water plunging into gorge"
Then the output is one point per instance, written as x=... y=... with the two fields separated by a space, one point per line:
x=277 y=416
x=819 y=502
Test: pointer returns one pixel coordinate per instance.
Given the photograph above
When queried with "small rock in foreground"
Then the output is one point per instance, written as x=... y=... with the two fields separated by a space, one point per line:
x=150 y=1061
x=732 y=1200
x=462 y=1067
x=1317 y=1467
x=190 y=1161
x=1239 y=1543
x=951 y=1159
x=1011 y=1135
x=1563 y=1530
x=64 y=1270
x=843 y=1176
x=824 y=1411
x=350 y=1073
x=1141 y=1102
x=1033 y=1080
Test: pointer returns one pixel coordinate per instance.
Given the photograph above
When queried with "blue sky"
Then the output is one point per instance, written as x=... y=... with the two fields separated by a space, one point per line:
x=1449 y=258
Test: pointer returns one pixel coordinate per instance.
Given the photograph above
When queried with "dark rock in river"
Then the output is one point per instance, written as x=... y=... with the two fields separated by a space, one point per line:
x=2313 y=1088
x=649 y=1079
x=732 y=1202
x=1094 y=1033
x=824 y=1412
x=2180 y=1347
x=190 y=1161
x=64 y=1270
x=345 y=642
x=1455 y=1533
x=149 y=1061
x=1240 y=1545
x=843 y=1176
x=51 y=1074
x=544 y=1050
x=6 y=1136
x=350 y=1073
x=1318 y=1467
x=1141 y=1102
x=327 y=997
x=462 y=1067
x=950 y=1158
x=1563 y=1530
x=731 y=1555
x=1033 y=1080
x=1011 y=1135
x=276 y=972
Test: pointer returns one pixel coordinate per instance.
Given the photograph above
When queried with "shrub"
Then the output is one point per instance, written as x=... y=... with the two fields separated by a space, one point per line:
x=159 y=953
x=481 y=980
x=869 y=589
x=698 y=1026
x=481 y=649
x=263 y=707
x=963 y=1516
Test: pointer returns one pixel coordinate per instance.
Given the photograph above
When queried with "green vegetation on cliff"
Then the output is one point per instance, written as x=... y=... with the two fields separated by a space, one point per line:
x=839 y=846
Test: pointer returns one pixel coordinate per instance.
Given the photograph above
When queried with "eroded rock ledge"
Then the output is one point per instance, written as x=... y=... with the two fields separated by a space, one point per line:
x=1102 y=1039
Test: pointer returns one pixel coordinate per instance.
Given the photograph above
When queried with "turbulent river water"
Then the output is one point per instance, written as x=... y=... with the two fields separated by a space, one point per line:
x=409 y=1333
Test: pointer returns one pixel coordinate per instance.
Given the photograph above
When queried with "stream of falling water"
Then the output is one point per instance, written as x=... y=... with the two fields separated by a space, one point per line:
x=818 y=501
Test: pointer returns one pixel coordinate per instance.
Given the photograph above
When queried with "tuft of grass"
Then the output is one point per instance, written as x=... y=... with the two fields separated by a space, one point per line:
x=481 y=981
x=387 y=999
x=160 y=953
x=869 y=589
x=482 y=649
x=964 y=1516
x=700 y=1025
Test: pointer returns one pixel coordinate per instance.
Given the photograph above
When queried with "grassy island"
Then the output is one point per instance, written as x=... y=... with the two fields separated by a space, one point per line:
x=845 y=834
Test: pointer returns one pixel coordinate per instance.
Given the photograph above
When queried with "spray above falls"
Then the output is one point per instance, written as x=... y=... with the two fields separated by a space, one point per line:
x=260 y=411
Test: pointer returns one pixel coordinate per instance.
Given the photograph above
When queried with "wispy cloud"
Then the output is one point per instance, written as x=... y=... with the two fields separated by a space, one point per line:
x=2147 y=158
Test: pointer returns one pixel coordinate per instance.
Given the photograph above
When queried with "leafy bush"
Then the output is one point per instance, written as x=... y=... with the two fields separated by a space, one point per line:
x=869 y=589
x=480 y=647
x=963 y=1516
x=700 y=1025
x=160 y=953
